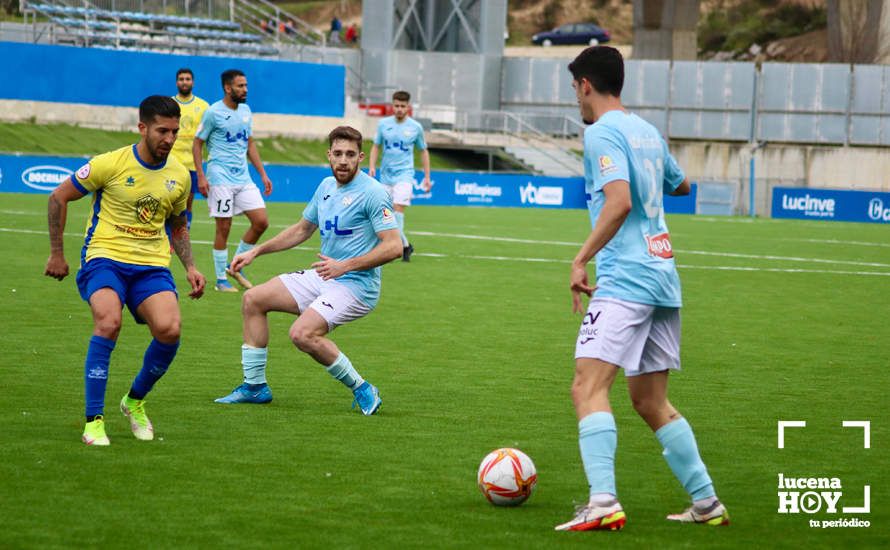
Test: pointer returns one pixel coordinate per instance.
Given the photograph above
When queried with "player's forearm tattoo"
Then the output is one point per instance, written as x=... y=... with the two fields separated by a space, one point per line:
x=182 y=245
x=56 y=219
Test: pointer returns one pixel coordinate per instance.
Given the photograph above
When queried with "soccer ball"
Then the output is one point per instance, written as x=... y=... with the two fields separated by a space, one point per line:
x=507 y=477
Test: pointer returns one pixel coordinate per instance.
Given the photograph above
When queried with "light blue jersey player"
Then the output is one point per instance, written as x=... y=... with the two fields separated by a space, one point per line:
x=398 y=136
x=353 y=214
x=227 y=127
x=632 y=322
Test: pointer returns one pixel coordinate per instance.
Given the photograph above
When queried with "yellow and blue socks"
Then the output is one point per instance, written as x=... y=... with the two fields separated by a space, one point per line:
x=598 y=439
x=400 y=221
x=95 y=374
x=342 y=370
x=253 y=362
x=155 y=363
x=681 y=454
x=220 y=261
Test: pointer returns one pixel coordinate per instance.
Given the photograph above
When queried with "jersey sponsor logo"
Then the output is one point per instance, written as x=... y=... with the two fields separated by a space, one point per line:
x=548 y=196
x=46 y=177
x=328 y=226
x=399 y=145
x=387 y=215
x=607 y=165
x=660 y=245
x=146 y=208
x=240 y=136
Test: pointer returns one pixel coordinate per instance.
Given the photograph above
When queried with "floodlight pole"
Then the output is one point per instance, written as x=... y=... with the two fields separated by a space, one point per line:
x=751 y=210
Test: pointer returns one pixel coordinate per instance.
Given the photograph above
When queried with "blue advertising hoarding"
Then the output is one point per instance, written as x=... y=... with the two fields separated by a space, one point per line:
x=38 y=174
x=804 y=203
x=97 y=76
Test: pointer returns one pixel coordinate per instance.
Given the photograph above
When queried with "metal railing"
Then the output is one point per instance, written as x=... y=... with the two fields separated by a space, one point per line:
x=274 y=23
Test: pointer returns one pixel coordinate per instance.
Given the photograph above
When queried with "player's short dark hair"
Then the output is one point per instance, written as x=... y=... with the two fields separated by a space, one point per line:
x=401 y=95
x=229 y=75
x=185 y=70
x=602 y=66
x=158 y=105
x=345 y=132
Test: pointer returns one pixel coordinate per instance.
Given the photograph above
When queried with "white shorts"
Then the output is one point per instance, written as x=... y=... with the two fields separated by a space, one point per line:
x=400 y=192
x=636 y=337
x=226 y=201
x=332 y=300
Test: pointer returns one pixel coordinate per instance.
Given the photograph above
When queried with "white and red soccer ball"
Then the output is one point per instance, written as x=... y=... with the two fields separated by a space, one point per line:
x=507 y=477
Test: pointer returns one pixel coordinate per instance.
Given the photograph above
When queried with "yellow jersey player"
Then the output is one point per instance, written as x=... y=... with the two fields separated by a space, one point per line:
x=125 y=257
x=192 y=108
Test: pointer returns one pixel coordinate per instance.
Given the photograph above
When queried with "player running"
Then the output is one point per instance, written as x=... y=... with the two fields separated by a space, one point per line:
x=227 y=127
x=632 y=321
x=125 y=257
x=353 y=215
x=399 y=135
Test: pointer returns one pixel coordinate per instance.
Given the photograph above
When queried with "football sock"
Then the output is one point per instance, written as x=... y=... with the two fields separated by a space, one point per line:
x=598 y=438
x=188 y=219
x=400 y=221
x=253 y=361
x=95 y=374
x=342 y=370
x=681 y=454
x=220 y=260
x=243 y=247
x=155 y=363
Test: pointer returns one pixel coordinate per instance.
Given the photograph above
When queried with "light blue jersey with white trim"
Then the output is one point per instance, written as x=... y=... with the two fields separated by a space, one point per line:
x=226 y=132
x=637 y=264
x=398 y=140
x=348 y=219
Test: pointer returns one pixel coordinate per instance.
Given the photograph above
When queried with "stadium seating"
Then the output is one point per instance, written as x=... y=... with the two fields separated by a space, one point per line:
x=93 y=26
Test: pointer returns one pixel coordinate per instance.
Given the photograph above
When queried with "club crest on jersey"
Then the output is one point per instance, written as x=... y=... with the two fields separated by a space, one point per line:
x=607 y=165
x=660 y=245
x=387 y=215
x=84 y=171
x=146 y=208
x=347 y=200
x=171 y=184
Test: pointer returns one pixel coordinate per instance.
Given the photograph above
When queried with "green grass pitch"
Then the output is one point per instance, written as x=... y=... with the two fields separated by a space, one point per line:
x=471 y=346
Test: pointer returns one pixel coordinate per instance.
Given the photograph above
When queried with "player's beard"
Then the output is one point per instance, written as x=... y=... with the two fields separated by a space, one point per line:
x=236 y=99
x=185 y=90
x=346 y=176
x=158 y=156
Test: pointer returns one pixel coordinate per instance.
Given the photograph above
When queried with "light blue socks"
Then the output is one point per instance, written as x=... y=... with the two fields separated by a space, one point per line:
x=342 y=370
x=220 y=261
x=598 y=438
x=243 y=247
x=681 y=454
x=253 y=361
x=400 y=221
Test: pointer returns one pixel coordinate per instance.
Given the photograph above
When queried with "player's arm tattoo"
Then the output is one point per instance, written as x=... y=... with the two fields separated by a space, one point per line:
x=179 y=234
x=56 y=214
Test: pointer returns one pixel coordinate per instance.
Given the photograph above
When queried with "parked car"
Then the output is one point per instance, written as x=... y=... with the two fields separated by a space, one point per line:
x=573 y=33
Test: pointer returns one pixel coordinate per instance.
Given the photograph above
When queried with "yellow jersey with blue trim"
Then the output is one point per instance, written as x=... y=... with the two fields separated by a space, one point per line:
x=192 y=111
x=131 y=203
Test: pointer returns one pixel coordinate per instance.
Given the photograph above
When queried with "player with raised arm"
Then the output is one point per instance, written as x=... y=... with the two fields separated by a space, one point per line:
x=227 y=127
x=353 y=215
x=192 y=108
x=399 y=135
x=632 y=321
x=125 y=257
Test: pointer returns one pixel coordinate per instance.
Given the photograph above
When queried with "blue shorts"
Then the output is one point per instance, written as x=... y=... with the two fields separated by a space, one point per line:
x=133 y=283
x=194 y=176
